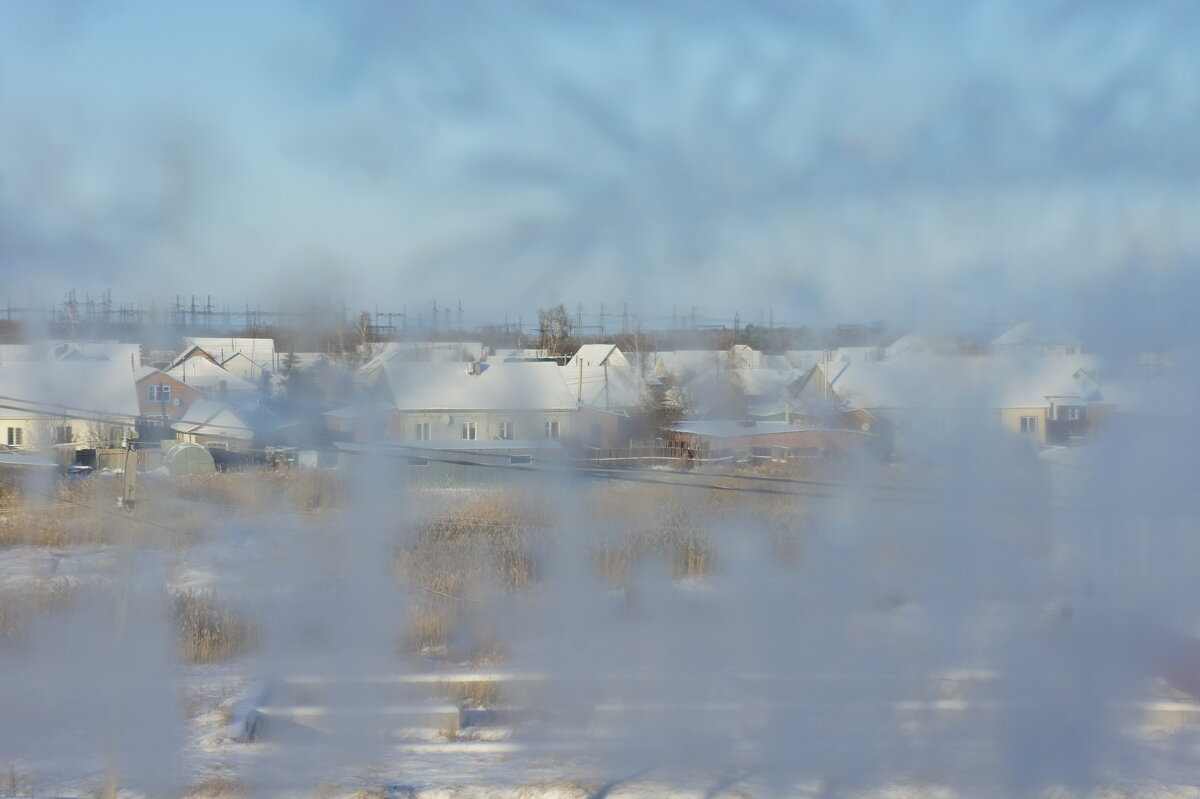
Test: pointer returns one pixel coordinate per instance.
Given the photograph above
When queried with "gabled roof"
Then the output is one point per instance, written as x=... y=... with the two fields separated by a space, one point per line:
x=242 y=356
x=214 y=419
x=599 y=355
x=1036 y=334
x=616 y=387
x=205 y=375
x=499 y=386
x=963 y=382
x=423 y=352
x=64 y=388
x=259 y=350
x=149 y=371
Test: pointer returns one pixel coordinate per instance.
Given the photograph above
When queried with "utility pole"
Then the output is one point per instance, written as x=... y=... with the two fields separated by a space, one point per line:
x=121 y=622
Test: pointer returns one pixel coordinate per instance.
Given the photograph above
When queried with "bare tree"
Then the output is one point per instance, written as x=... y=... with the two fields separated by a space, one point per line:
x=554 y=327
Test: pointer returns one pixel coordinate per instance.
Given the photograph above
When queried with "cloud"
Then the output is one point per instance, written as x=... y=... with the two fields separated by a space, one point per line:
x=835 y=160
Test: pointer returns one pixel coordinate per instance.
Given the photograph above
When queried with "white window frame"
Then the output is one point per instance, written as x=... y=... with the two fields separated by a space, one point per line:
x=469 y=431
x=16 y=437
x=553 y=429
x=421 y=431
x=507 y=431
x=1029 y=425
x=158 y=392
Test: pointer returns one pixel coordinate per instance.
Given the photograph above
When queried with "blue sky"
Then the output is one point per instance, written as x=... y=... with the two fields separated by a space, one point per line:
x=943 y=161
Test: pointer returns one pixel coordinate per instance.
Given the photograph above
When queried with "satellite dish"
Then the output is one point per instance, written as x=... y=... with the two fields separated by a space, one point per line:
x=447 y=420
x=866 y=426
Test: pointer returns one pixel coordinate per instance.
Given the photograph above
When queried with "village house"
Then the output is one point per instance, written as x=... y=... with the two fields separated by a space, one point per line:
x=1045 y=400
x=214 y=425
x=67 y=407
x=162 y=399
x=435 y=401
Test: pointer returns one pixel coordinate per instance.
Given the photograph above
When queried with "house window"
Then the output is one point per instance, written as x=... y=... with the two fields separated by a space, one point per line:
x=16 y=437
x=468 y=431
x=63 y=434
x=520 y=460
x=552 y=430
x=156 y=392
x=1074 y=414
x=1029 y=425
x=506 y=431
x=421 y=431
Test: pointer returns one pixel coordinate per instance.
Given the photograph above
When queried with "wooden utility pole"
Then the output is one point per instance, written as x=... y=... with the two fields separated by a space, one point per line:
x=121 y=621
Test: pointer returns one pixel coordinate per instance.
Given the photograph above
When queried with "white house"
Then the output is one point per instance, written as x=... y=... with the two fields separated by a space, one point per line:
x=1044 y=399
x=471 y=401
x=67 y=404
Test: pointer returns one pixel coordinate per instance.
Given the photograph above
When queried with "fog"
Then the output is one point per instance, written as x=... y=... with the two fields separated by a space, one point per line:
x=970 y=617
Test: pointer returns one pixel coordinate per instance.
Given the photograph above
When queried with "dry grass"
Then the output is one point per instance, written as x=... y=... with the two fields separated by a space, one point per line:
x=21 y=605
x=261 y=490
x=207 y=631
x=216 y=786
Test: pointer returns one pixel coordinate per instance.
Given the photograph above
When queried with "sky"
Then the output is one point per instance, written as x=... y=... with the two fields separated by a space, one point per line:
x=937 y=164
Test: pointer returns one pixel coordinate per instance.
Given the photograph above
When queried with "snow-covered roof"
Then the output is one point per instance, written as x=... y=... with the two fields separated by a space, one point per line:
x=260 y=350
x=205 y=375
x=599 y=355
x=1036 y=334
x=499 y=386
x=208 y=418
x=61 y=388
x=677 y=362
x=912 y=344
x=423 y=351
x=18 y=352
x=616 y=387
x=128 y=354
x=359 y=410
x=963 y=381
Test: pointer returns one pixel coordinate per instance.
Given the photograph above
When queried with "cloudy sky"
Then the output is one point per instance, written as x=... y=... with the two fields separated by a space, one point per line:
x=943 y=162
